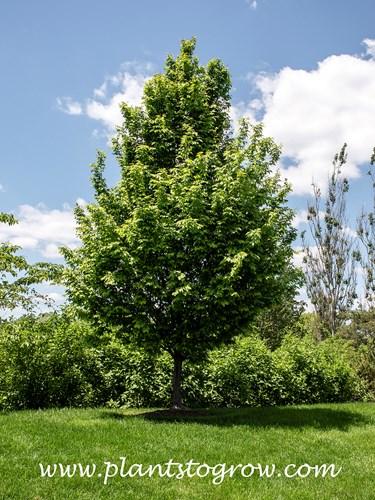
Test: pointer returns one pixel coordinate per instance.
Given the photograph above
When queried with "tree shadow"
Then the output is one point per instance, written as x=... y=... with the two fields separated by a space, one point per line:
x=289 y=417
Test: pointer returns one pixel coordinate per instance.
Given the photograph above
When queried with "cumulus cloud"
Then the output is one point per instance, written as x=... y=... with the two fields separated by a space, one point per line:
x=298 y=257
x=243 y=110
x=370 y=47
x=56 y=297
x=107 y=110
x=125 y=86
x=67 y=105
x=24 y=241
x=313 y=113
x=300 y=218
x=51 y=251
x=42 y=230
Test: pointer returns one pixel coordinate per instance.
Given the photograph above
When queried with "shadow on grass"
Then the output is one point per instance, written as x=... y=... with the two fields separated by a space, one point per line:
x=272 y=417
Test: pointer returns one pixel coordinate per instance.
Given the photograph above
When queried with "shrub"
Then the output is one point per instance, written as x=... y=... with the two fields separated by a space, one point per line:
x=242 y=374
x=44 y=362
x=315 y=371
x=364 y=363
x=300 y=371
x=51 y=361
x=134 y=378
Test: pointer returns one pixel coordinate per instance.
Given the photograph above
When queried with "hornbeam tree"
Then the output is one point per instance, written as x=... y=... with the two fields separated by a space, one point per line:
x=195 y=239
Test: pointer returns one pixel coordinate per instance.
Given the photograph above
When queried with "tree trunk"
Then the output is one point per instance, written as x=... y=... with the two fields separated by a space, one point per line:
x=177 y=372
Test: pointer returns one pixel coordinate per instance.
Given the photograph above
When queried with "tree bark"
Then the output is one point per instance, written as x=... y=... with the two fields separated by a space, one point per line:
x=177 y=377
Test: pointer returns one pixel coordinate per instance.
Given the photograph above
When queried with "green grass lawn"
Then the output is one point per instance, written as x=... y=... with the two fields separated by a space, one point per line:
x=339 y=434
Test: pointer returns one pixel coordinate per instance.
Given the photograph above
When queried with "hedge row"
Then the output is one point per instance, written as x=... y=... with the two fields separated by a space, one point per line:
x=49 y=362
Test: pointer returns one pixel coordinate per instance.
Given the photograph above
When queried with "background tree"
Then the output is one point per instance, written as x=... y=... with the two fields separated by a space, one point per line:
x=284 y=318
x=330 y=263
x=195 y=239
x=17 y=277
x=366 y=233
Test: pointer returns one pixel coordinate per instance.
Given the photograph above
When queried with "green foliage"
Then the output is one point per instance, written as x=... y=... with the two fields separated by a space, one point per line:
x=48 y=362
x=273 y=324
x=316 y=371
x=300 y=371
x=243 y=375
x=365 y=365
x=360 y=330
x=196 y=237
x=17 y=277
x=359 y=327
x=44 y=363
x=133 y=377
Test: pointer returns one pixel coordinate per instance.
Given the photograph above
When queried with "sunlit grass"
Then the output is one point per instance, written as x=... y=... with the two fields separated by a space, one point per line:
x=340 y=434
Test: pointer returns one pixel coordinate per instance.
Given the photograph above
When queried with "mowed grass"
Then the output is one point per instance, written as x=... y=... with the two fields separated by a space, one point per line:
x=340 y=434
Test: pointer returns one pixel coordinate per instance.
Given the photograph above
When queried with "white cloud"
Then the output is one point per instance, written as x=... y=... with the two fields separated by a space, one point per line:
x=313 y=113
x=370 y=47
x=298 y=257
x=42 y=230
x=24 y=241
x=253 y=4
x=300 y=218
x=125 y=86
x=51 y=251
x=241 y=110
x=130 y=90
x=56 y=297
x=67 y=105
x=350 y=232
x=81 y=202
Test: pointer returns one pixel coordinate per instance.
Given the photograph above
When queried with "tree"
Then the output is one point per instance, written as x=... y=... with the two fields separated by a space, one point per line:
x=17 y=277
x=330 y=265
x=366 y=233
x=283 y=319
x=195 y=239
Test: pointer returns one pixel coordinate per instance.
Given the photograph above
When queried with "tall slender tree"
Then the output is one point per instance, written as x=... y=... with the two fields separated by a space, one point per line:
x=330 y=262
x=366 y=233
x=195 y=239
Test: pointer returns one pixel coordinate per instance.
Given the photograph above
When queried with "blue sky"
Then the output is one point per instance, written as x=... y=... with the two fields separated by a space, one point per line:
x=306 y=68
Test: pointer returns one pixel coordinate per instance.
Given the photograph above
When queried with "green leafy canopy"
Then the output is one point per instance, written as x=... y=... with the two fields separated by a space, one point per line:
x=195 y=239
